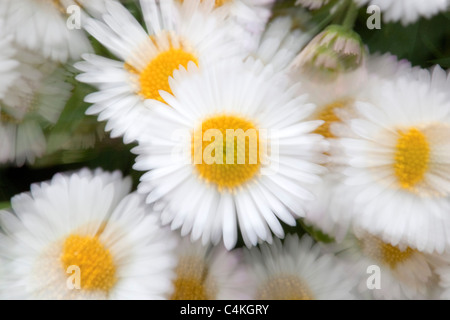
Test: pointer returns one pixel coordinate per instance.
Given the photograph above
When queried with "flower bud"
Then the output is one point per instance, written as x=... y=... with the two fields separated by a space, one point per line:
x=335 y=50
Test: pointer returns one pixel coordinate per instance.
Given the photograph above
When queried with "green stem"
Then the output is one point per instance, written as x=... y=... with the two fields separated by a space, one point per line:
x=350 y=17
x=338 y=9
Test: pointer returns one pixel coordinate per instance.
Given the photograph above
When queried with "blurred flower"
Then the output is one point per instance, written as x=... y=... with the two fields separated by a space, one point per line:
x=33 y=102
x=190 y=32
x=331 y=211
x=209 y=273
x=41 y=26
x=86 y=220
x=397 y=159
x=407 y=11
x=245 y=116
x=298 y=269
x=210 y=193
x=404 y=273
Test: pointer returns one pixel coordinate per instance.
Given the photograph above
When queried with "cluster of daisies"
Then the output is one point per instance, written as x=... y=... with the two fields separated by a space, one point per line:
x=349 y=144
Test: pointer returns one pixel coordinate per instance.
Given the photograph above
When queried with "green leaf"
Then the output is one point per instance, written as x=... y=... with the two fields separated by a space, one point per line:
x=445 y=62
x=421 y=42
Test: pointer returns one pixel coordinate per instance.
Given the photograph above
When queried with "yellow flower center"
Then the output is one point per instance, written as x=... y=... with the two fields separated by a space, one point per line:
x=328 y=115
x=226 y=151
x=222 y=2
x=284 y=287
x=190 y=281
x=96 y=264
x=384 y=252
x=412 y=158
x=155 y=76
x=6 y=118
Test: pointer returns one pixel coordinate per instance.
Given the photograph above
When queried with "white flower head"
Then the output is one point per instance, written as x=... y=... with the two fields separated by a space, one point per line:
x=397 y=160
x=335 y=100
x=210 y=184
x=209 y=273
x=82 y=236
x=42 y=26
x=298 y=269
x=33 y=102
x=386 y=271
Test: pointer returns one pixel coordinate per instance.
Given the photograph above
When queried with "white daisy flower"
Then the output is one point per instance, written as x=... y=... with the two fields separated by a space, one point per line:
x=209 y=273
x=398 y=161
x=386 y=271
x=176 y=35
x=211 y=187
x=82 y=236
x=42 y=26
x=33 y=102
x=280 y=43
x=331 y=211
x=298 y=269
x=407 y=11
